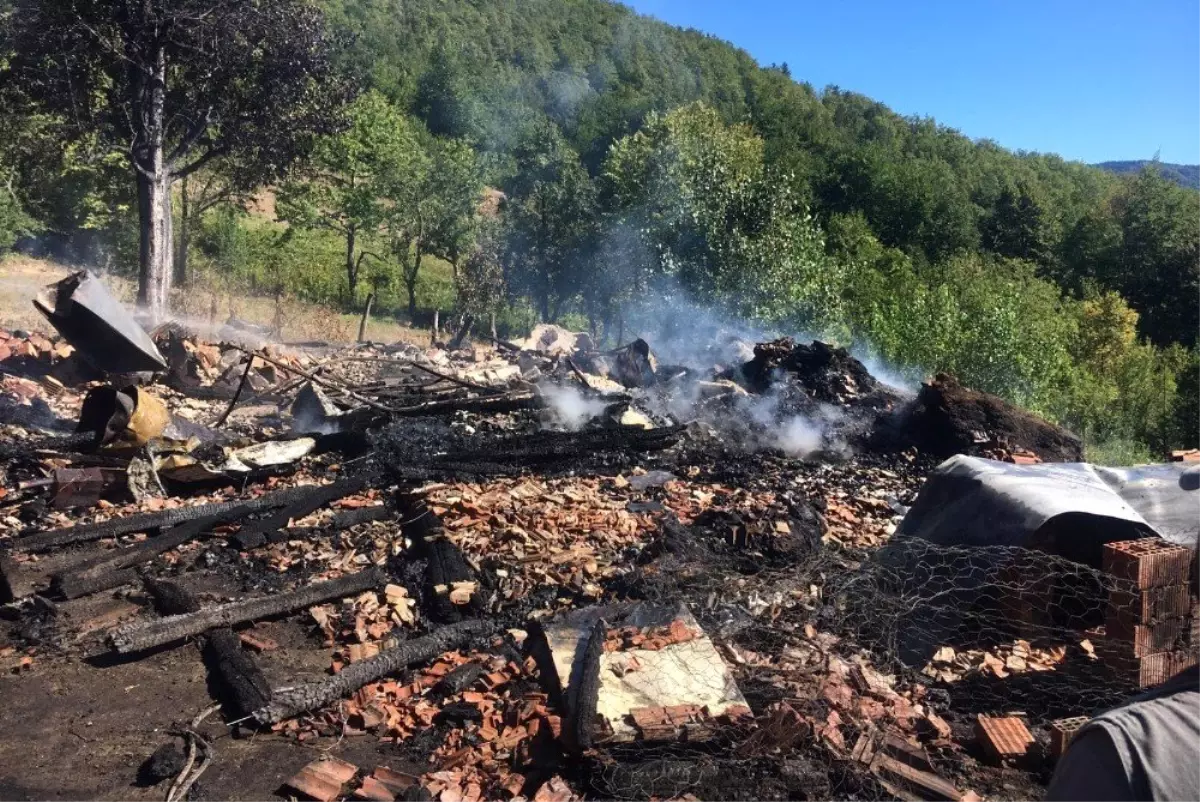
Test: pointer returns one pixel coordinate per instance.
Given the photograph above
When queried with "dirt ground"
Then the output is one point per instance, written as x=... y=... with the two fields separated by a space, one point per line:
x=77 y=725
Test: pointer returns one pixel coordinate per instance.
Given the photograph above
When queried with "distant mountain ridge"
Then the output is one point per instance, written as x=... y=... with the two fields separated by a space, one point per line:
x=1185 y=175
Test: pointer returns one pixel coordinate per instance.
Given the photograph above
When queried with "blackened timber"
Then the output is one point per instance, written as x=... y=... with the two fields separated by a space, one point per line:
x=447 y=567
x=584 y=690
x=259 y=532
x=341 y=520
x=290 y=702
x=550 y=447
x=104 y=572
x=445 y=563
x=460 y=679
x=223 y=654
x=148 y=521
x=146 y=635
x=500 y=403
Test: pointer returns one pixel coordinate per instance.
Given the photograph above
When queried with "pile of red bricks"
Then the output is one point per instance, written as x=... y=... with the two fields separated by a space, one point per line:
x=1151 y=627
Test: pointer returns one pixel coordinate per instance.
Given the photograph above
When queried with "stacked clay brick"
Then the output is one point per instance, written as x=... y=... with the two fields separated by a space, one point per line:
x=1151 y=626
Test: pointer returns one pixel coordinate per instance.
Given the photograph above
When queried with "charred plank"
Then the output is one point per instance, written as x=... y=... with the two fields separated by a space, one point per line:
x=266 y=530
x=584 y=691
x=303 y=698
x=149 y=521
x=222 y=650
x=105 y=571
x=146 y=635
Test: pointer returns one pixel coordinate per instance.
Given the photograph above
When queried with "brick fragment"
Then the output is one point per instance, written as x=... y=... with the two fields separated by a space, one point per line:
x=647 y=716
x=555 y=790
x=1148 y=563
x=1062 y=731
x=1003 y=738
x=494 y=680
x=258 y=643
x=372 y=789
x=513 y=783
x=735 y=712
x=1146 y=639
x=395 y=781
x=682 y=714
x=323 y=779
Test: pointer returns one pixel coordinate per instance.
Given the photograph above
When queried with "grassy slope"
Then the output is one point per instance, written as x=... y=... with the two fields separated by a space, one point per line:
x=22 y=277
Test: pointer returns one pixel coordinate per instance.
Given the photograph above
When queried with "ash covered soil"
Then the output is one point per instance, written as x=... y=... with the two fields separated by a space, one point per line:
x=508 y=486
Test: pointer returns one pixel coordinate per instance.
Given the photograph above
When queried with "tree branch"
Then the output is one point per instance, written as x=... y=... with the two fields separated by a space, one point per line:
x=194 y=133
x=209 y=155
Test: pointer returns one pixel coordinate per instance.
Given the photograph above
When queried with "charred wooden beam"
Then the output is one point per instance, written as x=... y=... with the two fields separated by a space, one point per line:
x=445 y=563
x=148 y=521
x=78 y=441
x=584 y=691
x=342 y=520
x=550 y=447
x=146 y=635
x=500 y=403
x=222 y=650
x=264 y=531
x=303 y=698
x=460 y=679
x=106 y=570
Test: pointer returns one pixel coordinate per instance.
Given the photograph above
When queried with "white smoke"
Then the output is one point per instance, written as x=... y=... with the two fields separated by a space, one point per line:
x=799 y=437
x=571 y=408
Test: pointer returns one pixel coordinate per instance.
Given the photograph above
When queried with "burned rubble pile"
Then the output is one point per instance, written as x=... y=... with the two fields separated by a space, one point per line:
x=524 y=571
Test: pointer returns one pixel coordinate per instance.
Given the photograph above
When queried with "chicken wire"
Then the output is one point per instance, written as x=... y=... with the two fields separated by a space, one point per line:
x=778 y=621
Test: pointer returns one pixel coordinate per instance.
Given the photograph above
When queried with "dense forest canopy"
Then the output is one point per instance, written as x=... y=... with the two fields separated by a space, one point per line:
x=641 y=161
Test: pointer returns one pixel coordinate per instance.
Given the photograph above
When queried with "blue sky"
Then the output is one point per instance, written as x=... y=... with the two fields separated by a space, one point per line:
x=1094 y=80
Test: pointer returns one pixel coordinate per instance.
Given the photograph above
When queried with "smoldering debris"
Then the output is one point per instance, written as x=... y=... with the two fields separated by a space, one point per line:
x=570 y=408
x=426 y=523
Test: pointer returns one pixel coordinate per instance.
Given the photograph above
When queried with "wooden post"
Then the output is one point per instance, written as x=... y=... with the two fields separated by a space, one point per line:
x=433 y=334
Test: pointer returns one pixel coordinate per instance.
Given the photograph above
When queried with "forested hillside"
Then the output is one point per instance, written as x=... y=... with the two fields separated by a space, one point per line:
x=643 y=165
x=1185 y=175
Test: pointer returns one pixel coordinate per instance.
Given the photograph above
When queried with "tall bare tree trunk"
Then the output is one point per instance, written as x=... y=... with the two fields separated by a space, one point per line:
x=154 y=192
x=154 y=207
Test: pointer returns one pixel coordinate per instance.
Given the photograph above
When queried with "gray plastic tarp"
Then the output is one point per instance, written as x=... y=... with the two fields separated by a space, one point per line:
x=969 y=501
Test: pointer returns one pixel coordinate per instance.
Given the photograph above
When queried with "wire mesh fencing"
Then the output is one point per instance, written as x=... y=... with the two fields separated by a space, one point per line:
x=833 y=648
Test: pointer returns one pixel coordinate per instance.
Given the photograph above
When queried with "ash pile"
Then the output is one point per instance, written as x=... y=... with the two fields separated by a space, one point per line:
x=538 y=570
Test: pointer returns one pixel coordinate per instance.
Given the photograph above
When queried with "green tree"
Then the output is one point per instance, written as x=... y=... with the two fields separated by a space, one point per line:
x=443 y=97
x=479 y=284
x=1016 y=228
x=722 y=225
x=550 y=214
x=174 y=85
x=432 y=203
x=351 y=184
x=1160 y=257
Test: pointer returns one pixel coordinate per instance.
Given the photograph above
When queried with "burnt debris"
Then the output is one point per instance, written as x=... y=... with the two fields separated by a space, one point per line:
x=550 y=569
